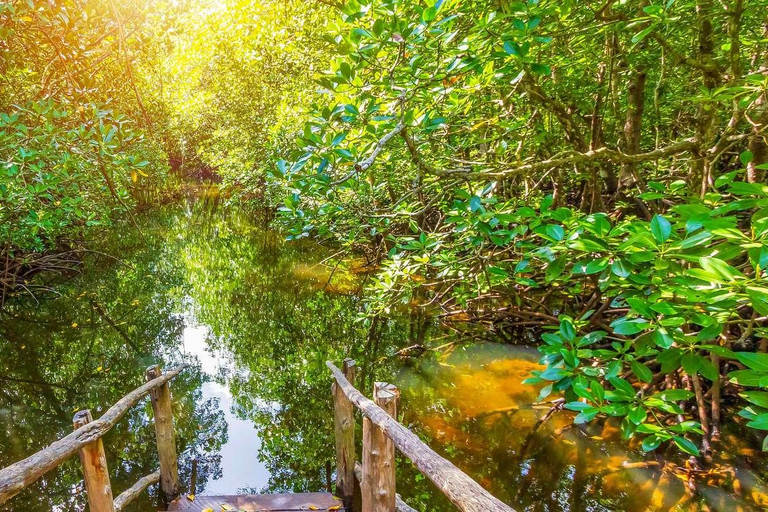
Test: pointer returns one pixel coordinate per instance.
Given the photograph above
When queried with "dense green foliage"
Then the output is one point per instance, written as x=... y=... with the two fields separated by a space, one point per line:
x=588 y=176
x=70 y=154
x=561 y=165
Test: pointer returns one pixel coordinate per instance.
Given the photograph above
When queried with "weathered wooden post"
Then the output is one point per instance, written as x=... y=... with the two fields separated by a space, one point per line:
x=378 y=485
x=193 y=478
x=166 y=437
x=344 y=419
x=95 y=471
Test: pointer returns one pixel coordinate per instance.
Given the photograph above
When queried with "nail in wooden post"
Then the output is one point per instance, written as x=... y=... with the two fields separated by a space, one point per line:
x=344 y=420
x=166 y=438
x=95 y=470
x=378 y=485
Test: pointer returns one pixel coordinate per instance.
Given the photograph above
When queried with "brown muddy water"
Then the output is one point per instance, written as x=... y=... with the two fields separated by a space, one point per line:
x=257 y=318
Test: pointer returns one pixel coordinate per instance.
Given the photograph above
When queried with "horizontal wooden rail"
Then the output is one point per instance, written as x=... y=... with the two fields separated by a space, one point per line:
x=460 y=489
x=135 y=490
x=19 y=475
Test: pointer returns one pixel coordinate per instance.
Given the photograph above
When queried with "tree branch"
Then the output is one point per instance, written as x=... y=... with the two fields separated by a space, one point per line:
x=600 y=154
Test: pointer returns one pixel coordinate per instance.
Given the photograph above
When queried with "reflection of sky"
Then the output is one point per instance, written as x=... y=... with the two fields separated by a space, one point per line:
x=239 y=463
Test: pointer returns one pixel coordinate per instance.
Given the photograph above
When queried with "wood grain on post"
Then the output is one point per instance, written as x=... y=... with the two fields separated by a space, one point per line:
x=378 y=485
x=165 y=435
x=95 y=471
x=400 y=504
x=460 y=489
x=17 y=476
x=344 y=420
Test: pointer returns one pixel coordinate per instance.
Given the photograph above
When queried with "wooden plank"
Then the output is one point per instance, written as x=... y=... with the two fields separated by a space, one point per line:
x=17 y=476
x=344 y=420
x=378 y=484
x=260 y=503
x=460 y=489
x=165 y=436
x=95 y=472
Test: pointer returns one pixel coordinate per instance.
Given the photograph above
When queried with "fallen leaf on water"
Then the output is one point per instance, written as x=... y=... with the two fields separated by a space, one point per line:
x=312 y=507
x=225 y=506
x=207 y=510
x=335 y=507
x=191 y=497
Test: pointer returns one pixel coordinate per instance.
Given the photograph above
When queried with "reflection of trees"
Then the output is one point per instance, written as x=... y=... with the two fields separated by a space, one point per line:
x=85 y=348
x=554 y=467
x=265 y=303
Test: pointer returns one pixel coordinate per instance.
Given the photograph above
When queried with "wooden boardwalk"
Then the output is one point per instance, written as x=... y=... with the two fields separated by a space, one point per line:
x=259 y=503
x=382 y=435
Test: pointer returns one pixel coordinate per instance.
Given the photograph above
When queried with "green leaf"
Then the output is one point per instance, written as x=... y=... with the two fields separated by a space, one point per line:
x=555 y=231
x=759 y=299
x=621 y=267
x=746 y=377
x=622 y=386
x=686 y=445
x=637 y=415
x=628 y=327
x=719 y=268
x=756 y=361
x=691 y=363
x=567 y=330
x=642 y=34
x=650 y=443
x=429 y=14
x=642 y=372
x=759 y=398
x=578 y=406
x=759 y=422
x=660 y=228
x=555 y=268
x=673 y=395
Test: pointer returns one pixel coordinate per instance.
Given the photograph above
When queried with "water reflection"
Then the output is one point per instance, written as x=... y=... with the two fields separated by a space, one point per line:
x=258 y=318
x=85 y=345
x=470 y=404
x=240 y=468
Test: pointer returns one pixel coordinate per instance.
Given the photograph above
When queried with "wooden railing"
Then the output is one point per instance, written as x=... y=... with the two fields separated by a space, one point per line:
x=381 y=435
x=86 y=439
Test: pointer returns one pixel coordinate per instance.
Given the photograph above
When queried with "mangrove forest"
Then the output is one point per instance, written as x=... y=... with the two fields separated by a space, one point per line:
x=534 y=232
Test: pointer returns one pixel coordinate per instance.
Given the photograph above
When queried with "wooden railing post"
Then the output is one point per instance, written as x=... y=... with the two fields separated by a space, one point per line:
x=344 y=420
x=165 y=435
x=95 y=472
x=378 y=485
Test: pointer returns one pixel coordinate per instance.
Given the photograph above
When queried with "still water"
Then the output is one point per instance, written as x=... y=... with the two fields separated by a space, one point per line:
x=257 y=318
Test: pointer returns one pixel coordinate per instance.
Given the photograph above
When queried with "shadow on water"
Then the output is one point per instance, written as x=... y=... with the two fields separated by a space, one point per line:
x=258 y=318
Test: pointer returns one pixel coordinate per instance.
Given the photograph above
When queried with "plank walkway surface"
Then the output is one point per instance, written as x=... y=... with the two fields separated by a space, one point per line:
x=259 y=503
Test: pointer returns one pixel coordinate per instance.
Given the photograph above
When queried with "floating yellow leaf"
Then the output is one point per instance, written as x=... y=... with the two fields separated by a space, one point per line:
x=207 y=510
x=224 y=506
x=191 y=497
x=335 y=507
x=312 y=507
